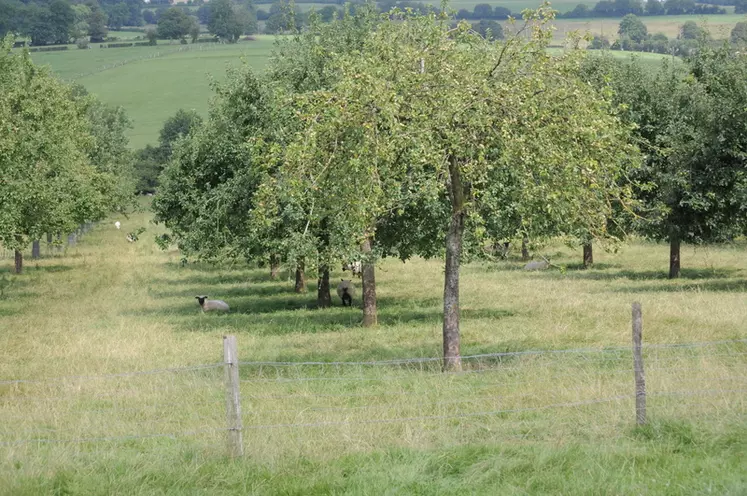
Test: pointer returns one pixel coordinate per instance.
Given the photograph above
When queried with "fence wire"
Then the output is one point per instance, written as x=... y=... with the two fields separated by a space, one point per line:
x=330 y=407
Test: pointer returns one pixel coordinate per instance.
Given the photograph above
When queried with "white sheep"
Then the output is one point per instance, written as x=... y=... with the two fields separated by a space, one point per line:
x=117 y=225
x=355 y=267
x=346 y=292
x=208 y=305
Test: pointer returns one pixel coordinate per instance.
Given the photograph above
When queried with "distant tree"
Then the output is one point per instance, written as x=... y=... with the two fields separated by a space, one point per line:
x=739 y=33
x=80 y=26
x=118 y=15
x=464 y=14
x=624 y=7
x=501 y=13
x=203 y=14
x=327 y=13
x=482 y=11
x=604 y=8
x=740 y=6
x=97 y=24
x=579 y=11
x=177 y=126
x=229 y=21
x=690 y=31
x=599 y=43
x=148 y=167
x=679 y=7
x=149 y=17
x=152 y=36
x=62 y=17
x=194 y=32
x=491 y=30
x=654 y=8
x=174 y=24
x=632 y=27
x=41 y=28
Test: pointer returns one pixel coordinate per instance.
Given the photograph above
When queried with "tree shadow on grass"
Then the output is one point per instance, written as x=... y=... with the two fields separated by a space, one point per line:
x=242 y=292
x=31 y=267
x=678 y=285
x=647 y=275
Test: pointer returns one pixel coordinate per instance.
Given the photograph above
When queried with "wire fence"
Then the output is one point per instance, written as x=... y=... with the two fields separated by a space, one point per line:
x=334 y=407
x=153 y=55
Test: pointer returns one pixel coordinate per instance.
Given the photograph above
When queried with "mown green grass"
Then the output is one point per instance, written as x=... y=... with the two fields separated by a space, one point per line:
x=152 y=83
x=561 y=423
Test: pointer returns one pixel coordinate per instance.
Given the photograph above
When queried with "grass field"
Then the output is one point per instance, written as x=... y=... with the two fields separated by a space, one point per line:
x=556 y=423
x=152 y=83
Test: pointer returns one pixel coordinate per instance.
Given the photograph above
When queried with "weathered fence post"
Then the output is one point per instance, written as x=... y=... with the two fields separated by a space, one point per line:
x=233 y=400
x=640 y=377
x=71 y=239
x=35 y=249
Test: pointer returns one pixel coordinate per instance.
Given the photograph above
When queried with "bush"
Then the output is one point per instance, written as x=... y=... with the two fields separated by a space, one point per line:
x=83 y=44
x=48 y=49
x=183 y=41
x=119 y=45
x=142 y=43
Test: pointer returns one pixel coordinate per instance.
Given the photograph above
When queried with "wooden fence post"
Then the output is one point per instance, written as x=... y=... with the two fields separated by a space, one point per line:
x=640 y=377
x=233 y=400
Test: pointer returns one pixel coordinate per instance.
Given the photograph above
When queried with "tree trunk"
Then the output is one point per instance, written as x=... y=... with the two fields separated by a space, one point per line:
x=588 y=255
x=674 y=255
x=525 y=249
x=274 y=266
x=370 y=318
x=35 y=249
x=452 y=354
x=300 y=278
x=323 y=298
x=19 y=262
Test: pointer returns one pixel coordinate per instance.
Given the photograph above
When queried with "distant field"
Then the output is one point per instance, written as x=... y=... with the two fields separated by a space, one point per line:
x=720 y=26
x=152 y=83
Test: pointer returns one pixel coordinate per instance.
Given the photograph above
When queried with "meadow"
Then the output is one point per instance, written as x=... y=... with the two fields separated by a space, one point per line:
x=111 y=379
x=152 y=83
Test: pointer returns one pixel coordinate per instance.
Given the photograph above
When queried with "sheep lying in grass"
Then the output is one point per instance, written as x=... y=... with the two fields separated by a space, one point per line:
x=346 y=292
x=208 y=305
x=355 y=267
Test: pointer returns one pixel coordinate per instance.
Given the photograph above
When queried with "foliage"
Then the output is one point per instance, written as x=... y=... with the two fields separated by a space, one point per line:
x=175 y=24
x=97 y=25
x=490 y=30
x=739 y=33
x=632 y=27
x=229 y=21
x=690 y=125
x=50 y=184
x=152 y=36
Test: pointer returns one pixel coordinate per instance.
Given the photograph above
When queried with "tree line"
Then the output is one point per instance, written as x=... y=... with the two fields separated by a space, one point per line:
x=63 y=155
x=634 y=36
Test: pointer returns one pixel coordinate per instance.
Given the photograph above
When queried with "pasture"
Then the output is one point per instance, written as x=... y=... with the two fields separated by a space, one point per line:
x=130 y=395
x=152 y=83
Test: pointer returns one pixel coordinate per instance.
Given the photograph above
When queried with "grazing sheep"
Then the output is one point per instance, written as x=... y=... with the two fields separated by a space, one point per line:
x=117 y=225
x=346 y=292
x=208 y=305
x=355 y=267
x=537 y=265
